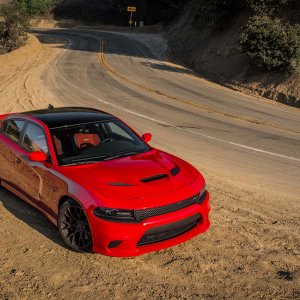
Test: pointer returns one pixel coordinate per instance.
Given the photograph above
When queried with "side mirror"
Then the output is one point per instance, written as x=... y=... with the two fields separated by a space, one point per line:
x=147 y=137
x=37 y=156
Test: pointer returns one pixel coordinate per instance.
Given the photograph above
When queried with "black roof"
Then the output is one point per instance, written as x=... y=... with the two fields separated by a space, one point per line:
x=67 y=116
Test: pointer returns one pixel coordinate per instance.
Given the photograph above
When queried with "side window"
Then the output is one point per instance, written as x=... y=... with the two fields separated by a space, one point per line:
x=35 y=139
x=118 y=130
x=13 y=129
x=3 y=126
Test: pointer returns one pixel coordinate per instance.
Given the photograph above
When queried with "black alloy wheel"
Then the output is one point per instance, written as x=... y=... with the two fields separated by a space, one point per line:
x=73 y=227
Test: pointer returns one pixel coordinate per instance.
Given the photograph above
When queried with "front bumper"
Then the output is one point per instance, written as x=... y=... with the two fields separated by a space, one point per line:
x=137 y=238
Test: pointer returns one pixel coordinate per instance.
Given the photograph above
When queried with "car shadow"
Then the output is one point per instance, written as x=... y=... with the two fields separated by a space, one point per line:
x=30 y=216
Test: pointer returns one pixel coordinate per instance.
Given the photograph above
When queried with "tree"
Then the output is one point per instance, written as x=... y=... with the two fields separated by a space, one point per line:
x=35 y=7
x=13 y=31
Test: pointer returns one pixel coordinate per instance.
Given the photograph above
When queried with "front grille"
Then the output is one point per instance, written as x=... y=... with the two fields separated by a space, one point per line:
x=143 y=214
x=162 y=233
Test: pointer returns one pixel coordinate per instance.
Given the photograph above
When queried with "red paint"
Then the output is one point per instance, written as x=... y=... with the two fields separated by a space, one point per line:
x=147 y=137
x=38 y=156
x=4 y=116
x=43 y=183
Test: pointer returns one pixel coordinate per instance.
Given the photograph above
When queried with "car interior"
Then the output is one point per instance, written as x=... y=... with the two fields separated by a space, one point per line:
x=92 y=140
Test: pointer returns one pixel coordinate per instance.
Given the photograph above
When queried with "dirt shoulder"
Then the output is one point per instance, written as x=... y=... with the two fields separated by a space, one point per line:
x=20 y=81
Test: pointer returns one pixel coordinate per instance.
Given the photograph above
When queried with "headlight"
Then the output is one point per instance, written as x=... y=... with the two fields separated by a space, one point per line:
x=114 y=214
x=202 y=195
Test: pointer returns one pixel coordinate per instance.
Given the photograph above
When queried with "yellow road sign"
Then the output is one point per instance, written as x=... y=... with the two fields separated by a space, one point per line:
x=131 y=8
x=130 y=22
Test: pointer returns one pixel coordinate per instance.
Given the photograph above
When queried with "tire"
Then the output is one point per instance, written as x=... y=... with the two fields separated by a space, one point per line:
x=73 y=227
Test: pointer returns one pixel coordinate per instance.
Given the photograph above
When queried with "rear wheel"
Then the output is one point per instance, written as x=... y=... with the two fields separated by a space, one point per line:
x=73 y=226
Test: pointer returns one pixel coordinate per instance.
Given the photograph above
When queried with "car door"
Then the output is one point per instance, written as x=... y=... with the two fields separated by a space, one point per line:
x=31 y=174
x=10 y=135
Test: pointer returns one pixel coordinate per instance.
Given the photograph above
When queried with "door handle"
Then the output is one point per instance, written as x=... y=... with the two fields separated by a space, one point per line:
x=18 y=160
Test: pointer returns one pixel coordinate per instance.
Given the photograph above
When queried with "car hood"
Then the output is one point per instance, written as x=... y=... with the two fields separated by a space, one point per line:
x=136 y=176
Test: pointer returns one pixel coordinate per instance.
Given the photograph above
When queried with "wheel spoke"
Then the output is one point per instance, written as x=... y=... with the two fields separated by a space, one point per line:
x=73 y=239
x=65 y=217
x=66 y=223
x=71 y=234
x=78 y=211
x=71 y=213
x=81 y=239
x=68 y=226
x=81 y=215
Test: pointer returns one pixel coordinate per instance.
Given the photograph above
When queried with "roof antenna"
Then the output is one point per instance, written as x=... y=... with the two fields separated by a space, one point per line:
x=50 y=107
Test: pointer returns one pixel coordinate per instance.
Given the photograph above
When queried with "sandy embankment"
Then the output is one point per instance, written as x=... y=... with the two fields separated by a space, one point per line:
x=20 y=80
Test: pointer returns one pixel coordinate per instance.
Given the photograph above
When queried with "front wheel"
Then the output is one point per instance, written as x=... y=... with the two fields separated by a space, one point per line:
x=73 y=227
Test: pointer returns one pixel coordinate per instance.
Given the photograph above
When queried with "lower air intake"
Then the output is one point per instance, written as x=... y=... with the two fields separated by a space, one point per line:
x=162 y=233
x=114 y=244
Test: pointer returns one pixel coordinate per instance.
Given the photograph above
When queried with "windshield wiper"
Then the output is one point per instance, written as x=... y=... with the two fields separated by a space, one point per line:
x=121 y=154
x=82 y=163
x=77 y=162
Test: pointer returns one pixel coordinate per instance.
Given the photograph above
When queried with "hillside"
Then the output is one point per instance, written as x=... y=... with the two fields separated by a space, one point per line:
x=217 y=55
x=115 y=12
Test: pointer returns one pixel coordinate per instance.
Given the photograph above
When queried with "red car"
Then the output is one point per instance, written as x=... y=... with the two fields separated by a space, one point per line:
x=103 y=185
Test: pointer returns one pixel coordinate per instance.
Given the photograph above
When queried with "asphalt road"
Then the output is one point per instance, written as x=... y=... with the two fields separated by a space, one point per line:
x=251 y=143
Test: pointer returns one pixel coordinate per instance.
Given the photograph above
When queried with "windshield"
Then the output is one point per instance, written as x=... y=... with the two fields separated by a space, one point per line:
x=94 y=142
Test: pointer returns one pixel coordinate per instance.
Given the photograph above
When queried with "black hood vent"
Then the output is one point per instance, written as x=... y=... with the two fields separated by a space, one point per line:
x=119 y=184
x=153 y=178
x=175 y=171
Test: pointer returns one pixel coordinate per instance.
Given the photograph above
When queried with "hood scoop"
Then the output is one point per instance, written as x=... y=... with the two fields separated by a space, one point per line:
x=119 y=184
x=175 y=171
x=153 y=178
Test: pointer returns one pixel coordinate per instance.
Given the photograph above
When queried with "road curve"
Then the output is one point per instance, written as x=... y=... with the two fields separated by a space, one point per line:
x=251 y=143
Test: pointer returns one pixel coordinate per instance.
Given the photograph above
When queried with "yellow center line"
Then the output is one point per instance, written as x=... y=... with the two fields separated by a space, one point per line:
x=108 y=68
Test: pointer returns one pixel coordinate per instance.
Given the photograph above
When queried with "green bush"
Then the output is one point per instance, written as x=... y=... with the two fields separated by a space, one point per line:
x=217 y=13
x=14 y=28
x=263 y=7
x=87 y=11
x=35 y=7
x=270 y=44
